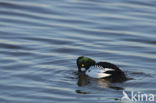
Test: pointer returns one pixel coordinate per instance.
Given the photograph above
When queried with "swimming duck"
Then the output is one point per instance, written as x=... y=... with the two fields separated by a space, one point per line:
x=103 y=70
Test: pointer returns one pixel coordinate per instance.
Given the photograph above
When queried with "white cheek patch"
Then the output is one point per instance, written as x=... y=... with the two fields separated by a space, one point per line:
x=83 y=69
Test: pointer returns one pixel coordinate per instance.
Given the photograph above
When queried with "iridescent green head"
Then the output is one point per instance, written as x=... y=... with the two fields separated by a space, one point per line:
x=84 y=62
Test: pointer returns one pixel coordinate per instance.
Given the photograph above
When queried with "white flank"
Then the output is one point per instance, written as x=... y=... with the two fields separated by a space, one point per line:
x=98 y=72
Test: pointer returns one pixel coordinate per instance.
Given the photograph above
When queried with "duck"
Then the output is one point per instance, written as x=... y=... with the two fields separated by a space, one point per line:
x=100 y=70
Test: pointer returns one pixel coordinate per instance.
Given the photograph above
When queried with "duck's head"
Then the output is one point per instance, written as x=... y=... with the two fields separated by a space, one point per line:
x=84 y=62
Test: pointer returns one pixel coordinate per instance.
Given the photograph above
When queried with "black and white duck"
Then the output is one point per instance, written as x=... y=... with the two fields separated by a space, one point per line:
x=102 y=70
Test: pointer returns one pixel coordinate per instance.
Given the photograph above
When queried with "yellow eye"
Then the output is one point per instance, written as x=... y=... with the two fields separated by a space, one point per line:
x=82 y=65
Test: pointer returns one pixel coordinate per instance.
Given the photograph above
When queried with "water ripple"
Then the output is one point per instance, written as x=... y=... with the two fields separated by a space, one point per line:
x=40 y=42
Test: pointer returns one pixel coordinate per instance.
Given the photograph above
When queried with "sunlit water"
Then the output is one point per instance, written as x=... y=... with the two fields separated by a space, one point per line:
x=40 y=41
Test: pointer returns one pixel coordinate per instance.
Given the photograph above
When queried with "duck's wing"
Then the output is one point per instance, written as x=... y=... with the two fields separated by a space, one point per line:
x=115 y=73
x=107 y=66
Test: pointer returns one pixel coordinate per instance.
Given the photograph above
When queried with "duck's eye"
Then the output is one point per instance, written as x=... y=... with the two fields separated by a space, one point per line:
x=82 y=65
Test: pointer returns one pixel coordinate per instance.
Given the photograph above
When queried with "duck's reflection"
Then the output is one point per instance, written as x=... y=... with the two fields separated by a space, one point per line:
x=84 y=80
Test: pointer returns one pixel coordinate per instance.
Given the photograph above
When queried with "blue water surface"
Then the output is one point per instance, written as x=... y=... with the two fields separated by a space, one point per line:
x=40 y=41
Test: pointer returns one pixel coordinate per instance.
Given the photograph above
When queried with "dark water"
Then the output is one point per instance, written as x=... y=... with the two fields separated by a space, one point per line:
x=40 y=41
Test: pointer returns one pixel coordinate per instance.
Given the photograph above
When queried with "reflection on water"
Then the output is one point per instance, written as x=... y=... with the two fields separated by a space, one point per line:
x=84 y=80
x=41 y=40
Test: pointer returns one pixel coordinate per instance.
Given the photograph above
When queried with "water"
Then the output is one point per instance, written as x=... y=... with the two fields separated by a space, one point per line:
x=41 y=40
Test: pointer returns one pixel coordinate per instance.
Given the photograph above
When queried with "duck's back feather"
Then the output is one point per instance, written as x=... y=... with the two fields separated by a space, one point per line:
x=108 y=65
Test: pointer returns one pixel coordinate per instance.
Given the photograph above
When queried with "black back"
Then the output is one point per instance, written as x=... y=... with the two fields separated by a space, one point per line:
x=108 y=65
x=117 y=75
